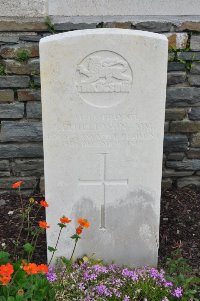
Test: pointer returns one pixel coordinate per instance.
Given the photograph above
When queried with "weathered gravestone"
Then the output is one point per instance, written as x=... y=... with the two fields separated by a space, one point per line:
x=103 y=101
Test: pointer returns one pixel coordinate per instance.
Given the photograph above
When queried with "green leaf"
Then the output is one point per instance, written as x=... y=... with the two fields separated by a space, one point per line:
x=65 y=260
x=28 y=248
x=51 y=249
x=4 y=257
x=61 y=225
x=76 y=237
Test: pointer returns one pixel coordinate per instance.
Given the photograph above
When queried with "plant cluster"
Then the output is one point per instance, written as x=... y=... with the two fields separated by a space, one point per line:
x=87 y=282
x=22 y=279
x=85 y=279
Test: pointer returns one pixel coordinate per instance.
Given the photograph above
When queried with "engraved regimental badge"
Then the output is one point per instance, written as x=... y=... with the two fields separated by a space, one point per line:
x=103 y=77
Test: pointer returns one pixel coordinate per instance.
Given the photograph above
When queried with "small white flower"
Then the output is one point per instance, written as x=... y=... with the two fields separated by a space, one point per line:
x=10 y=212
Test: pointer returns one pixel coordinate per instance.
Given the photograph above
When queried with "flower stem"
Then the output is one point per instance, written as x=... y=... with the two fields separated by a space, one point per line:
x=55 y=246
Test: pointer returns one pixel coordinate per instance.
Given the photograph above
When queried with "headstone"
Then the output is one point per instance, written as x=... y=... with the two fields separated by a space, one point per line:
x=103 y=102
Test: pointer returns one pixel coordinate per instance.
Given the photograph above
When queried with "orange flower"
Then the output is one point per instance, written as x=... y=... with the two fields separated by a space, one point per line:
x=65 y=220
x=42 y=268
x=43 y=225
x=43 y=203
x=5 y=279
x=79 y=230
x=83 y=222
x=6 y=270
x=17 y=184
x=30 y=268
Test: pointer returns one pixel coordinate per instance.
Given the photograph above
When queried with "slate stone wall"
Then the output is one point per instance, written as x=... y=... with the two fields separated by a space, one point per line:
x=21 y=150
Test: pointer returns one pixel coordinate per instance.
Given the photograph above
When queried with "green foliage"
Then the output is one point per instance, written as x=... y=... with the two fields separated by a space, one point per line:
x=23 y=55
x=51 y=249
x=4 y=257
x=34 y=287
x=49 y=24
x=2 y=70
x=180 y=273
x=28 y=248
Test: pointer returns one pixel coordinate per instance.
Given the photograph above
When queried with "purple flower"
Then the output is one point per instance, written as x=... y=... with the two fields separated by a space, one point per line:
x=102 y=290
x=51 y=276
x=130 y=274
x=178 y=292
x=126 y=298
x=81 y=286
x=165 y=299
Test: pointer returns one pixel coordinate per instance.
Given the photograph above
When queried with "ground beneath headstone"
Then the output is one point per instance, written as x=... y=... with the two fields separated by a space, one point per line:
x=179 y=225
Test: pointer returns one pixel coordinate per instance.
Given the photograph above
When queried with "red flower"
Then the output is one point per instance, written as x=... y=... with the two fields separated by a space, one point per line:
x=30 y=268
x=43 y=225
x=42 y=268
x=43 y=203
x=79 y=230
x=65 y=220
x=17 y=184
x=6 y=270
x=83 y=222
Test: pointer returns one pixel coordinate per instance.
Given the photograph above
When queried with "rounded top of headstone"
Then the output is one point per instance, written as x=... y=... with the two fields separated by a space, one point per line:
x=103 y=31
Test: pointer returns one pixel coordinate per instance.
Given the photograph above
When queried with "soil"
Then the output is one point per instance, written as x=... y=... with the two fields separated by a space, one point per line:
x=179 y=225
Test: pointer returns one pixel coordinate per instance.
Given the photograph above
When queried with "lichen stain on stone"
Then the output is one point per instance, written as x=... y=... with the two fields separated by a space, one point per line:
x=130 y=236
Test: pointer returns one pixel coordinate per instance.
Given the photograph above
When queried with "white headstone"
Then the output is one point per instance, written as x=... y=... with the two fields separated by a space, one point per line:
x=103 y=102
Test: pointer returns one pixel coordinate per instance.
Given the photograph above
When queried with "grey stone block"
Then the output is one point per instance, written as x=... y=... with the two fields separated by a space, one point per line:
x=176 y=156
x=11 y=111
x=4 y=167
x=189 y=56
x=183 y=96
x=186 y=164
x=193 y=153
x=195 y=42
x=34 y=110
x=28 y=150
x=20 y=131
x=189 y=181
x=28 y=167
x=166 y=127
x=194 y=113
x=30 y=38
x=42 y=186
x=170 y=173
x=28 y=183
x=154 y=26
x=72 y=26
x=6 y=95
x=185 y=126
x=14 y=81
x=31 y=67
x=175 y=114
x=36 y=80
x=195 y=141
x=175 y=143
x=195 y=68
x=176 y=66
x=176 y=77
x=29 y=95
x=194 y=80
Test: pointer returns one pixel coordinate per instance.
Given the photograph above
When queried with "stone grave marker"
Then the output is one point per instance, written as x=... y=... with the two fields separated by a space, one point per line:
x=103 y=104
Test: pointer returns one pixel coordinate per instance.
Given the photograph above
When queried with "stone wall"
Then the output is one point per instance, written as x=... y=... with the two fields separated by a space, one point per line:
x=21 y=151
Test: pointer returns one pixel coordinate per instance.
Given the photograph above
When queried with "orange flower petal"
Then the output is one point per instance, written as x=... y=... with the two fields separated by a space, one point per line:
x=17 y=184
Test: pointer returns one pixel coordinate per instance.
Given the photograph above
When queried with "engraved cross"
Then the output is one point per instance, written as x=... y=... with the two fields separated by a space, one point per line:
x=105 y=183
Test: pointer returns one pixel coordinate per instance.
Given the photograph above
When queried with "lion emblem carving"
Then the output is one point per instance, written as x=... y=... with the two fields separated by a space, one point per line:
x=103 y=70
